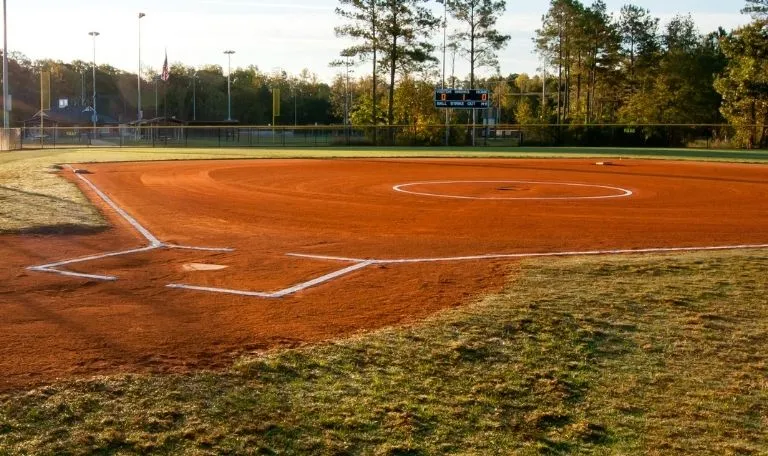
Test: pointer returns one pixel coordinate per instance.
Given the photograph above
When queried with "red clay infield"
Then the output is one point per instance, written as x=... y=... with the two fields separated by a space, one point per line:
x=55 y=326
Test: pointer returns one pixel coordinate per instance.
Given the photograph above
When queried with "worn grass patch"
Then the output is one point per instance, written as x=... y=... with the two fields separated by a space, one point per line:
x=33 y=199
x=608 y=355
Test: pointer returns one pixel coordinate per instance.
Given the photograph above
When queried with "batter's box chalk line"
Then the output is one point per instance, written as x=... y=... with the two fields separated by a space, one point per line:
x=357 y=263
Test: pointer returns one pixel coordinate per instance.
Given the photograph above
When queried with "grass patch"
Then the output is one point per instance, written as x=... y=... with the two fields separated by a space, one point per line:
x=34 y=200
x=608 y=355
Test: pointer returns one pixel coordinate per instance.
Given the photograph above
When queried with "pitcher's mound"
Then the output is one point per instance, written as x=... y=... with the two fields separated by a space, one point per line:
x=203 y=267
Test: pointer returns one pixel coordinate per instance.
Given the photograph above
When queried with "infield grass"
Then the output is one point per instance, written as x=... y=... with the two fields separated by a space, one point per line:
x=598 y=355
x=35 y=200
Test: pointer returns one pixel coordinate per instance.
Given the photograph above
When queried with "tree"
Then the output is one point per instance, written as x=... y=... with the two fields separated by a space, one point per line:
x=405 y=27
x=757 y=8
x=601 y=45
x=639 y=36
x=744 y=84
x=363 y=18
x=555 y=41
x=680 y=90
x=478 y=39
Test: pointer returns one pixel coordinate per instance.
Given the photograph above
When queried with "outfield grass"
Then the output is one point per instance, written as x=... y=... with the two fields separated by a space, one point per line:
x=629 y=355
x=34 y=200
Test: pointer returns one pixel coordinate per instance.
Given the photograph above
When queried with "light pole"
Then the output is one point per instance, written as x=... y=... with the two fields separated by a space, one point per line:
x=229 y=53
x=95 y=118
x=194 y=96
x=445 y=31
x=138 y=75
x=157 y=78
x=6 y=112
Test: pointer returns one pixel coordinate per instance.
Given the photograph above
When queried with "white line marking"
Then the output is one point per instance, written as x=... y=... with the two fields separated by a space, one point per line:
x=497 y=256
x=623 y=192
x=324 y=257
x=325 y=278
x=144 y=232
x=204 y=249
x=154 y=242
x=97 y=257
x=51 y=267
x=279 y=293
x=255 y=294
x=75 y=274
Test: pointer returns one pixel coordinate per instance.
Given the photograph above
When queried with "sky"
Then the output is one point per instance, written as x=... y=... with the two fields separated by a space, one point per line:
x=274 y=35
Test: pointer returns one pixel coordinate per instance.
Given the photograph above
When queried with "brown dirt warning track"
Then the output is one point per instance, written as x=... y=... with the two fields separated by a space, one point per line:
x=54 y=326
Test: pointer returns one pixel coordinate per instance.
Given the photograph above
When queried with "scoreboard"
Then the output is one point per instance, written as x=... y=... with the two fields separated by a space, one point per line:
x=462 y=98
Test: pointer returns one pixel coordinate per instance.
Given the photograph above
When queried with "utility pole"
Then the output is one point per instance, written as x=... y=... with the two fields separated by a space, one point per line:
x=229 y=90
x=95 y=116
x=194 y=96
x=6 y=111
x=445 y=31
x=138 y=75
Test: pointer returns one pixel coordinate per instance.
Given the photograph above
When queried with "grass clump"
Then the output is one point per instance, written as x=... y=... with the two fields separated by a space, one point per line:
x=609 y=355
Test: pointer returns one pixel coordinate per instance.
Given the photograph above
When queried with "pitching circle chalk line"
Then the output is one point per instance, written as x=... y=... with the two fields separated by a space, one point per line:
x=622 y=192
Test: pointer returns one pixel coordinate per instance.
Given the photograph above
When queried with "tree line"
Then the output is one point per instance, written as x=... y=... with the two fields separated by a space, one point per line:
x=597 y=68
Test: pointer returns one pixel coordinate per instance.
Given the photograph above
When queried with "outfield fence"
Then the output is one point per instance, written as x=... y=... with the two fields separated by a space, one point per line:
x=614 y=135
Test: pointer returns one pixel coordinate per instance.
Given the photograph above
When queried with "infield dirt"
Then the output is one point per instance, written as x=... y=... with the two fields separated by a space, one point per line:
x=54 y=326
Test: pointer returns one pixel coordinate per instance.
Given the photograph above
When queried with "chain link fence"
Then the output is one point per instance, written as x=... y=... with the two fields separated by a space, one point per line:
x=692 y=136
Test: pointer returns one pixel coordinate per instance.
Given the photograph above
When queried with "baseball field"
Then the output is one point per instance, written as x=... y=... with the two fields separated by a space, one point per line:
x=383 y=302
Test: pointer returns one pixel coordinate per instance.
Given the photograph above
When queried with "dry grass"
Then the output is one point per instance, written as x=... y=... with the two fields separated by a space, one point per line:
x=608 y=355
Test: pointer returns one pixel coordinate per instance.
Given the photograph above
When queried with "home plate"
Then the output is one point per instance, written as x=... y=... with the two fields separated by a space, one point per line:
x=203 y=267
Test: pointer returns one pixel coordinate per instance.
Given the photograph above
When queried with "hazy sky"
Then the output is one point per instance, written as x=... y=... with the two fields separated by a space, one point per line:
x=271 y=34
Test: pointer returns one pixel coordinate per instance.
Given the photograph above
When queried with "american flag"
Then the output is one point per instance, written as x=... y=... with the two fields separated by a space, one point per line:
x=165 y=75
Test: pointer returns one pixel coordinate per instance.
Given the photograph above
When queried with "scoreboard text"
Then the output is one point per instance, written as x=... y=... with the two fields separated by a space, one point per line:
x=462 y=98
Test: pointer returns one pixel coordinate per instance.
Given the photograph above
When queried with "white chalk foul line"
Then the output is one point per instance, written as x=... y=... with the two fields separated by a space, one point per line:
x=501 y=256
x=154 y=243
x=622 y=191
x=132 y=221
x=280 y=293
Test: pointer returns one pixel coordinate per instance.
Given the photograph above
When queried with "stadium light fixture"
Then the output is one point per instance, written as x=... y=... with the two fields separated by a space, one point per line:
x=229 y=53
x=95 y=117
